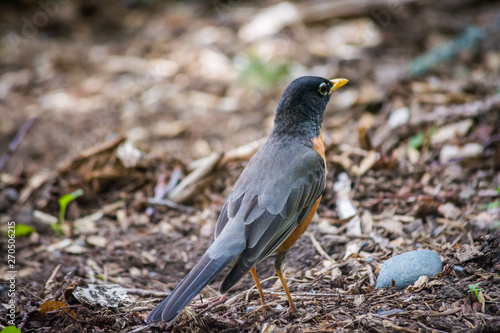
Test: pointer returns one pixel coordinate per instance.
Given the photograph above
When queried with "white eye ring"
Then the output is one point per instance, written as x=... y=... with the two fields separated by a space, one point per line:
x=323 y=89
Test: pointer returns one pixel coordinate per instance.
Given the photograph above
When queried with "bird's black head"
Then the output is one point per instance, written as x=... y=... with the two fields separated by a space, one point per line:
x=303 y=103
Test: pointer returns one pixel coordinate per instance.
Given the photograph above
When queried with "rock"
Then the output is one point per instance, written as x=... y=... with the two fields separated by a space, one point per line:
x=406 y=268
x=11 y=194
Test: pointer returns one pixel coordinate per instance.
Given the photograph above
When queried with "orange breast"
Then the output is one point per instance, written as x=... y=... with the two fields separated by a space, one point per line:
x=300 y=229
x=319 y=145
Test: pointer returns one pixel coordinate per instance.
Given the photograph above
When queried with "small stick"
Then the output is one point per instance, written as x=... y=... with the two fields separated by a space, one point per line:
x=50 y=280
x=219 y=299
x=318 y=248
x=162 y=189
x=139 y=329
x=190 y=184
x=16 y=141
x=174 y=179
x=23 y=322
x=209 y=307
x=171 y=204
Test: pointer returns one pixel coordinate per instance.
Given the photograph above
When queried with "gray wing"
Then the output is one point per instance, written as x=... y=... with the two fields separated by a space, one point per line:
x=271 y=199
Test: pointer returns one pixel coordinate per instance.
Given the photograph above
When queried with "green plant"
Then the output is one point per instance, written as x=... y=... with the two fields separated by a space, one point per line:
x=23 y=230
x=475 y=288
x=257 y=72
x=422 y=138
x=63 y=203
x=416 y=141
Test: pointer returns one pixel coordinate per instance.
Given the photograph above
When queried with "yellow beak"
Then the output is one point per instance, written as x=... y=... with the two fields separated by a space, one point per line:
x=337 y=83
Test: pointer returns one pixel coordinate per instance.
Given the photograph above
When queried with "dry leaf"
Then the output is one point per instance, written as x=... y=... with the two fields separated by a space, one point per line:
x=419 y=284
x=52 y=306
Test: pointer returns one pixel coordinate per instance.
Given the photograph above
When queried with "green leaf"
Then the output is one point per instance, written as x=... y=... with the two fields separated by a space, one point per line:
x=498 y=190
x=23 y=230
x=10 y=329
x=490 y=205
x=57 y=229
x=67 y=198
x=475 y=287
x=416 y=141
x=64 y=201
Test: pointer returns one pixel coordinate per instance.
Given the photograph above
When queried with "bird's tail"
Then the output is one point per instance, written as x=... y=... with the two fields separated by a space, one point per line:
x=202 y=274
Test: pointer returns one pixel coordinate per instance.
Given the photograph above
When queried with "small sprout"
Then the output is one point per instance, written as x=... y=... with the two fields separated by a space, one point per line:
x=10 y=329
x=63 y=203
x=23 y=230
x=421 y=139
x=475 y=288
x=416 y=141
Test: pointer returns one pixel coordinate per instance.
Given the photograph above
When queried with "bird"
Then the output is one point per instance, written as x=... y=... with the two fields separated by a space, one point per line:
x=272 y=202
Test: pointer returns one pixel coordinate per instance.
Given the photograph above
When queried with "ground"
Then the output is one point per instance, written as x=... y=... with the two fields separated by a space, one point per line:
x=119 y=99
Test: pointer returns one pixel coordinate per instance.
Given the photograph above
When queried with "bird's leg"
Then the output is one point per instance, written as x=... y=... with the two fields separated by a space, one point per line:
x=257 y=283
x=279 y=265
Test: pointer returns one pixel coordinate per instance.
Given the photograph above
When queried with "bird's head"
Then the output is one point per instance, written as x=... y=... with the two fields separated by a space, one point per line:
x=305 y=100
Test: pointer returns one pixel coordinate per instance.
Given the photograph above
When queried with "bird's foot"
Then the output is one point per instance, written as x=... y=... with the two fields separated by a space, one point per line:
x=265 y=308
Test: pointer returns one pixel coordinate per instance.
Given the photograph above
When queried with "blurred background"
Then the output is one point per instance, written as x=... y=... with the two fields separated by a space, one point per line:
x=118 y=98
x=187 y=78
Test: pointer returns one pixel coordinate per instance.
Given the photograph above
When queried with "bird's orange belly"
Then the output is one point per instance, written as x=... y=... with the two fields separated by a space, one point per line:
x=300 y=229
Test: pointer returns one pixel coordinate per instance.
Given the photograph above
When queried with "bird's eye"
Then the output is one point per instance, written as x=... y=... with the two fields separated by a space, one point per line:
x=323 y=89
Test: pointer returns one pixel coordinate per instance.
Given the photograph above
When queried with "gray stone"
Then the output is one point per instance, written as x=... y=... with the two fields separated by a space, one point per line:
x=407 y=267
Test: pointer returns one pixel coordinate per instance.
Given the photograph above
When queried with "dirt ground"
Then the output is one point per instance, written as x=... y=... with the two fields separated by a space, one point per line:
x=119 y=99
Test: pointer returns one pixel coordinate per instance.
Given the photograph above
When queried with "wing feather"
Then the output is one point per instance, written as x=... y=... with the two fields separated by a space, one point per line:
x=270 y=199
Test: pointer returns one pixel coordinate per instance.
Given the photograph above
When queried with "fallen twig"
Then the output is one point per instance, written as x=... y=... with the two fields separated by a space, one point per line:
x=23 y=322
x=39 y=179
x=161 y=190
x=171 y=204
x=318 y=248
x=138 y=329
x=241 y=153
x=219 y=299
x=191 y=183
x=94 y=150
x=16 y=141
x=209 y=307
x=50 y=281
x=324 y=10
x=446 y=114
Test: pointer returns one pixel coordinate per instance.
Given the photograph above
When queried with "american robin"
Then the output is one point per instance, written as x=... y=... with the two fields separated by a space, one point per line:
x=273 y=201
